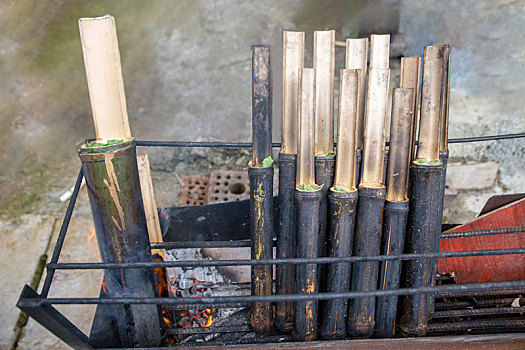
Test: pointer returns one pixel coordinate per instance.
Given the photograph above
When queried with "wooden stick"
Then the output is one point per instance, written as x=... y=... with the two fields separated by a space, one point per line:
x=443 y=145
x=376 y=111
x=410 y=79
x=306 y=108
x=293 y=60
x=324 y=65
x=429 y=124
x=356 y=58
x=346 y=129
x=150 y=207
x=104 y=77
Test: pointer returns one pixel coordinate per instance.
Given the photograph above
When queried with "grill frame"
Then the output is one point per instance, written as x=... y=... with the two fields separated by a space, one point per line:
x=40 y=306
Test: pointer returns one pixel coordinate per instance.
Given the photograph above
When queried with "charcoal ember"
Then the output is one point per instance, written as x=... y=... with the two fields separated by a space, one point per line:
x=185 y=283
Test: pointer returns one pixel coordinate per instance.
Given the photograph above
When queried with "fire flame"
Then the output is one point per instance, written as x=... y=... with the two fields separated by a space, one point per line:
x=208 y=317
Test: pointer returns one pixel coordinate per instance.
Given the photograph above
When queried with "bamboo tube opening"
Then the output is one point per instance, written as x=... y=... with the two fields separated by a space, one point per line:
x=324 y=65
x=410 y=79
x=98 y=36
x=356 y=58
x=399 y=151
x=346 y=129
x=306 y=120
x=429 y=124
x=443 y=145
x=293 y=60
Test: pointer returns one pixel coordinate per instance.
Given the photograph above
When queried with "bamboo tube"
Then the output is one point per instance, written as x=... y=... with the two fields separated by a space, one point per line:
x=346 y=128
x=342 y=200
x=104 y=77
x=429 y=125
x=261 y=188
x=115 y=196
x=356 y=58
x=376 y=111
x=445 y=99
x=150 y=207
x=306 y=120
x=399 y=151
x=410 y=79
x=324 y=65
x=293 y=60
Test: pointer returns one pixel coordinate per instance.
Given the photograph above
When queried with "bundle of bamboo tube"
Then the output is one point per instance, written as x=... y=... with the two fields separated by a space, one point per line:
x=346 y=202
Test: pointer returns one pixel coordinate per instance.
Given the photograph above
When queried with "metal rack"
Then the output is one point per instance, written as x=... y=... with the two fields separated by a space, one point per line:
x=40 y=306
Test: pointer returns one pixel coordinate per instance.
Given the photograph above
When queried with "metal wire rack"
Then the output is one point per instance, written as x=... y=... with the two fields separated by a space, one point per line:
x=40 y=306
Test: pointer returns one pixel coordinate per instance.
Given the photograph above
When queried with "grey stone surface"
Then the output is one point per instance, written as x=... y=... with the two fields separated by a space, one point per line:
x=24 y=240
x=477 y=176
x=69 y=283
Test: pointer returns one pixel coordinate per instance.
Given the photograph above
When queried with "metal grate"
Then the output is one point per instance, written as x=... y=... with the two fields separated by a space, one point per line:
x=40 y=307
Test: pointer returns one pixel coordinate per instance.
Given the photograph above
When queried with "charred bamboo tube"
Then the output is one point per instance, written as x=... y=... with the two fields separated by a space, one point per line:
x=286 y=239
x=443 y=153
x=261 y=187
x=371 y=192
x=118 y=213
x=410 y=79
x=356 y=58
x=424 y=220
x=324 y=63
x=307 y=200
x=342 y=201
x=293 y=60
x=396 y=208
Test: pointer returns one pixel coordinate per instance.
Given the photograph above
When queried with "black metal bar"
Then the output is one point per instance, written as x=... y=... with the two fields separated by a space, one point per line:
x=367 y=242
x=437 y=290
x=203 y=244
x=278 y=144
x=473 y=325
x=112 y=181
x=477 y=303
x=52 y=319
x=294 y=261
x=261 y=228
x=341 y=224
x=423 y=220
x=479 y=312
x=246 y=243
x=285 y=278
x=62 y=234
x=477 y=233
x=208 y=330
x=486 y=292
x=392 y=243
x=306 y=275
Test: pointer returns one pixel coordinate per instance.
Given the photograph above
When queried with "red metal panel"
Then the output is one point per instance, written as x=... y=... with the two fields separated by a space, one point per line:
x=488 y=268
